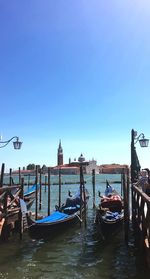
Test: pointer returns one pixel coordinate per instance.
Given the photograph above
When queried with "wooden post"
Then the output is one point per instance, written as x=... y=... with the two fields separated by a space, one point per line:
x=19 y=176
x=93 y=182
x=125 y=186
x=59 y=204
x=20 y=213
x=36 y=175
x=5 y=202
x=49 y=184
x=10 y=177
x=45 y=182
x=84 y=197
x=36 y=194
x=28 y=179
x=2 y=175
x=22 y=188
x=128 y=192
x=40 y=196
x=121 y=192
x=128 y=201
x=81 y=191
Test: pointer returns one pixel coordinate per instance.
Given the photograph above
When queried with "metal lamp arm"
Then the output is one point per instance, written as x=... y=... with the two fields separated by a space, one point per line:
x=8 y=141
x=139 y=138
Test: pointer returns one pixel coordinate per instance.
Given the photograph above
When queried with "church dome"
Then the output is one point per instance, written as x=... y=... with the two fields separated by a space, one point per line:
x=81 y=158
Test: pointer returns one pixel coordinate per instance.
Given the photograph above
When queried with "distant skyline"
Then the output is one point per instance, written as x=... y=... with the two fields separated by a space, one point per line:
x=78 y=71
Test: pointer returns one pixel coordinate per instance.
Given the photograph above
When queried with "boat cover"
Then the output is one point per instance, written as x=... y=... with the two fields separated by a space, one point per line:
x=113 y=215
x=55 y=216
x=114 y=200
x=32 y=189
x=72 y=207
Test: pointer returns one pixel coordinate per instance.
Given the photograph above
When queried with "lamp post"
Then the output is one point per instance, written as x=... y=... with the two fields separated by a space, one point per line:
x=17 y=144
x=135 y=165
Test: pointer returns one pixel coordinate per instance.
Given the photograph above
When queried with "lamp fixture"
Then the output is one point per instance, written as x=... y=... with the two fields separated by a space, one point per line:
x=17 y=144
x=135 y=165
x=142 y=140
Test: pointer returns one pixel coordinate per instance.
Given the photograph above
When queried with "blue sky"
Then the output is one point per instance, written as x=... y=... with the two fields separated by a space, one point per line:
x=75 y=70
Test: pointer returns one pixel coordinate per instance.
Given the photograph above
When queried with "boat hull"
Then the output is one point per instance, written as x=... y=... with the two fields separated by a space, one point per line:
x=108 y=225
x=49 y=230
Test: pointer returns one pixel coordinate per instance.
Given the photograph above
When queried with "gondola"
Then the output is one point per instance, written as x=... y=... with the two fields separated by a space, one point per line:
x=60 y=220
x=110 y=211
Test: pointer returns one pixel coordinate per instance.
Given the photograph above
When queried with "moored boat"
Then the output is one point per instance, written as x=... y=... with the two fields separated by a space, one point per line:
x=60 y=220
x=110 y=212
x=52 y=225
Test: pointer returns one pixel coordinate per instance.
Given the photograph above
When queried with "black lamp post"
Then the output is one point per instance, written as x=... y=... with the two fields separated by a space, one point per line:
x=17 y=144
x=135 y=165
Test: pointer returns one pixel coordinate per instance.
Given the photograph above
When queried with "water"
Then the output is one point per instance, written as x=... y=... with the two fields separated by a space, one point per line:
x=78 y=253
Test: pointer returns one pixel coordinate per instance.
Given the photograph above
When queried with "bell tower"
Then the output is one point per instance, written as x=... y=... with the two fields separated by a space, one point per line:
x=60 y=155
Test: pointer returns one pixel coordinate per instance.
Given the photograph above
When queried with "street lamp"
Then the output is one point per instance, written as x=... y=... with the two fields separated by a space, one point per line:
x=17 y=144
x=135 y=165
x=143 y=141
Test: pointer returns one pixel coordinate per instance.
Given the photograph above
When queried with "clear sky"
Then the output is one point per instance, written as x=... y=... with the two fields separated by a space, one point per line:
x=75 y=70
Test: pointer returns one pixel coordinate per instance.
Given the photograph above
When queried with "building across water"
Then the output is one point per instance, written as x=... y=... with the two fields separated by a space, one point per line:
x=73 y=167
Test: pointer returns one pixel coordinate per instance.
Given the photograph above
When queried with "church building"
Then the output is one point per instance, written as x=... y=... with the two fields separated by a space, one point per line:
x=59 y=155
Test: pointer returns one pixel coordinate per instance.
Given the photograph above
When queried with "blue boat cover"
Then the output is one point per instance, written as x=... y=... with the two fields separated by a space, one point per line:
x=32 y=189
x=56 y=216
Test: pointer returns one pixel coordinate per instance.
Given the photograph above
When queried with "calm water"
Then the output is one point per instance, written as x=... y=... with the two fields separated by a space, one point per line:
x=77 y=253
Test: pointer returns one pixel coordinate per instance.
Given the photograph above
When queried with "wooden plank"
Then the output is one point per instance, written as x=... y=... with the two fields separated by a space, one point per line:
x=7 y=188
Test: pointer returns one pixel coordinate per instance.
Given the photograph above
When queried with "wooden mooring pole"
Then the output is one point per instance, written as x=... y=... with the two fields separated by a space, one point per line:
x=81 y=191
x=36 y=194
x=40 y=194
x=45 y=182
x=93 y=183
x=20 y=213
x=10 y=177
x=82 y=196
x=59 y=188
x=125 y=187
x=49 y=184
x=28 y=179
x=19 y=176
x=2 y=175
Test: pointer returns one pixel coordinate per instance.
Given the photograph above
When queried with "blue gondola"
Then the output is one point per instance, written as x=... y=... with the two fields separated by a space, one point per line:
x=59 y=221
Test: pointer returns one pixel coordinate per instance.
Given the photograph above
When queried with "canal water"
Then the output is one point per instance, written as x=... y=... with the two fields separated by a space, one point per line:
x=78 y=253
